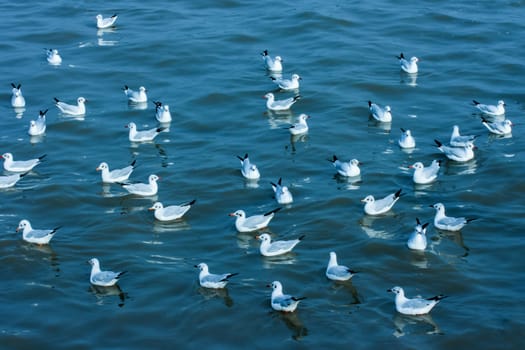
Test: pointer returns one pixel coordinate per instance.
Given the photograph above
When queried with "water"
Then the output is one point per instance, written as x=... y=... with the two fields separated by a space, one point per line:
x=202 y=58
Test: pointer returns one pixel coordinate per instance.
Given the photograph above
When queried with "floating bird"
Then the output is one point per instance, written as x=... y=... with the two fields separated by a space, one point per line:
x=79 y=109
x=162 y=112
x=380 y=206
x=20 y=166
x=288 y=84
x=350 y=169
x=31 y=235
x=301 y=127
x=143 y=135
x=282 y=193
x=380 y=114
x=491 y=109
x=38 y=127
x=17 y=100
x=408 y=66
x=458 y=154
x=103 y=278
x=210 y=280
x=458 y=140
x=254 y=222
x=143 y=189
x=115 y=175
x=248 y=169
x=103 y=23
x=269 y=248
x=406 y=140
x=425 y=175
x=53 y=57
x=272 y=64
x=338 y=272
x=503 y=127
x=279 y=105
x=418 y=239
x=10 y=180
x=172 y=212
x=283 y=302
x=136 y=96
x=448 y=223
x=415 y=306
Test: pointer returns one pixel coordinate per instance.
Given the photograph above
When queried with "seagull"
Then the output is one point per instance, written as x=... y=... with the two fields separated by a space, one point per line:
x=338 y=272
x=499 y=128
x=103 y=23
x=425 y=175
x=172 y=212
x=254 y=222
x=406 y=140
x=136 y=96
x=143 y=189
x=380 y=206
x=350 y=169
x=458 y=154
x=53 y=57
x=17 y=100
x=457 y=140
x=301 y=127
x=283 y=302
x=448 y=223
x=79 y=109
x=288 y=84
x=115 y=175
x=272 y=64
x=408 y=66
x=10 y=180
x=269 y=248
x=143 y=135
x=248 y=169
x=102 y=278
x=491 y=109
x=211 y=280
x=380 y=114
x=415 y=306
x=282 y=193
x=31 y=235
x=20 y=166
x=418 y=239
x=279 y=105
x=38 y=127
x=162 y=112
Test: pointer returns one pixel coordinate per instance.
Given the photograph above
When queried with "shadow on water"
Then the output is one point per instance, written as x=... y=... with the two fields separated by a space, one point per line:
x=415 y=325
x=103 y=293
x=293 y=322
x=211 y=293
x=346 y=287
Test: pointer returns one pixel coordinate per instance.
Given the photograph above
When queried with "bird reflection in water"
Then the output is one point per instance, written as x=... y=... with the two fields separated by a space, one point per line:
x=101 y=293
x=293 y=322
x=406 y=324
x=222 y=293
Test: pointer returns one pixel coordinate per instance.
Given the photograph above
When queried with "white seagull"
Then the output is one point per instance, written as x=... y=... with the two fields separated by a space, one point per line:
x=211 y=280
x=38 y=127
x=272 y=64
x=448 y=223
x=301 y=127
x=115 y=175
x=20 y=166
x=458 y=140
x=78 y=109
x=143 y=135
x=10 y=180
x=17 y=100
x=279 y=105
x=143 y=189
x=288 y=84
x=103 y=23
x=282 y=193
x=136 y=96
x=380 y=114
x=338 y=272
x=269 y=248
x=350 y=169
x=53 y=57
x=415 y=306
x=172 y=212
x=283 y=302
x=162 y=112
x=102 y=278
x=248 y=169
x=491 y=109
x=425 y=175
x=458 y=154
x=406 y=140
x=503 y=127
x=418 y=239
x=409 y=66
x=380 y=206
x=254 y=222
x=31 y=235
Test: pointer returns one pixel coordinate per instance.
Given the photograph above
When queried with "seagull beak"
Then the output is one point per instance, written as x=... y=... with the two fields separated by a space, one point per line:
x=363 y=200
x=151 y=208
x=257 y=237
x=97 y=169
x=231 y=214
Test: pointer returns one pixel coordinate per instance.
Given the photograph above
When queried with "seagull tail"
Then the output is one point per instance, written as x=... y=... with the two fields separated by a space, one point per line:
x=298 y=299
x=273 y=211
x=55 y=230
x=297 y=97
x=401 y=56
x=398 y=193
x=475 y=102
x=301 y=237
x=229 y=276
x=42 y=156
x=438 y=297
x=189 y=203
x=56 y=100
x=470 y=219
x=120 y=274
x=439 y=144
